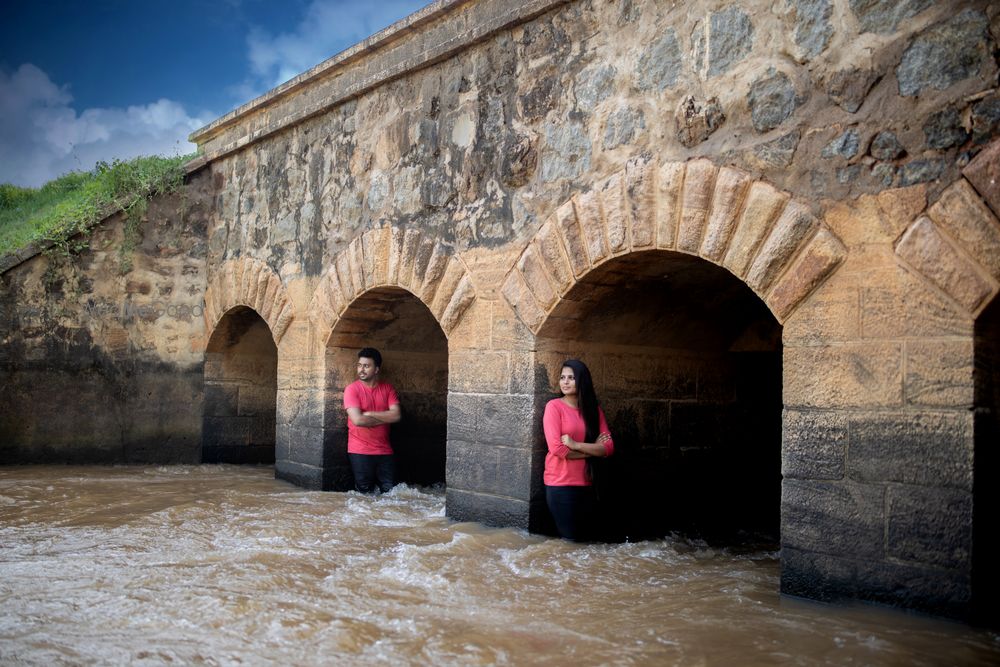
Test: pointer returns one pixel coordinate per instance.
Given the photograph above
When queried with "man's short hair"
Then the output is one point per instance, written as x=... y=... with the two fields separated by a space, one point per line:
x=373 y=354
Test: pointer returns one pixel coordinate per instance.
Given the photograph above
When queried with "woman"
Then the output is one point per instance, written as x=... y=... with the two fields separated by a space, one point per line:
x=575 y=430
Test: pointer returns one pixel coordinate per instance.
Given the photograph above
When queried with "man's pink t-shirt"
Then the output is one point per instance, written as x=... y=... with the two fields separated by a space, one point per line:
x=560 y=419
x=369 y=439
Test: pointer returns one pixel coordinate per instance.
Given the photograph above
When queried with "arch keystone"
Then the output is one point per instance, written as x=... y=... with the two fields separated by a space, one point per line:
x=342 y=265
x=616 y=223
x=730 y=187
x=375 y=245
x=588 y=215
x=696 y=202
x=411 y=241
x=641 y=202
x=572 y=236
x=669 y=188
x=355 y=260
x=396 y=236
x=248 y=282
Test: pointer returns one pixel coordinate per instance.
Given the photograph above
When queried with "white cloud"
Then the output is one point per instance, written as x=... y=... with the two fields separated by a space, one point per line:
x=329 y=26
x=42 y=136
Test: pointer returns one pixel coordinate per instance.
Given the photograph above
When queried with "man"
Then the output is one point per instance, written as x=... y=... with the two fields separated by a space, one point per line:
x=371 y=406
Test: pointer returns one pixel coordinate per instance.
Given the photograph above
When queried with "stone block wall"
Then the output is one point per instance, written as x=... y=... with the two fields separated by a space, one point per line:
x=879 y=459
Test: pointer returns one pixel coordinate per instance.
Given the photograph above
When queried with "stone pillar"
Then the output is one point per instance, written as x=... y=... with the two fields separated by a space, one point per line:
x=877 y=444
x=301 y=456
x=494 y=420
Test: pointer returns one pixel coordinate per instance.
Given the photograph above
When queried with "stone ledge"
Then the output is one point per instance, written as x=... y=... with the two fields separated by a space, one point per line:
x=422 y=39
x=12 y=259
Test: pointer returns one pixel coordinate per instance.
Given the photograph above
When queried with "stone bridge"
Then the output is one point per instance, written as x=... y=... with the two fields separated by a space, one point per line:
x=768 y=228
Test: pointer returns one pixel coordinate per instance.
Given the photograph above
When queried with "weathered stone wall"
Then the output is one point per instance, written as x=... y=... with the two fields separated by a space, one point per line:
x=100 y=366
x=770 y=229
x=878 y=449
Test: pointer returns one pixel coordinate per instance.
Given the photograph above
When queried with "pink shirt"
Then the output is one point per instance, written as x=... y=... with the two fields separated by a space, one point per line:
x=369 y=439
x=560 y=419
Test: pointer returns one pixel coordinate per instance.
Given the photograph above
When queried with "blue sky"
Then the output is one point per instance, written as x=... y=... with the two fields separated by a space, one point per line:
x=82 y=81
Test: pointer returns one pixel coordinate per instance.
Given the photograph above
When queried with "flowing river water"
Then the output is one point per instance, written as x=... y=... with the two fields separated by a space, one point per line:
x=226 y=565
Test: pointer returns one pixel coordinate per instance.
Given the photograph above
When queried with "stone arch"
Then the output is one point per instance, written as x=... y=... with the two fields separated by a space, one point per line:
x=241 y=382
x=414 y=350
x=761 y=235
x=249 y=282
x=394 y=257
x=687 y=360
x=955 y=244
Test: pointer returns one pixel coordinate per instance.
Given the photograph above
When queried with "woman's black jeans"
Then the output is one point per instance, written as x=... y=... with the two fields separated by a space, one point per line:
x=573 y=509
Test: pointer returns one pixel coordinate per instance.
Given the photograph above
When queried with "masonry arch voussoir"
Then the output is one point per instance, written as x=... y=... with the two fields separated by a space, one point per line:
x=394 y=257
x=765 y=238
x=954 y=244
x=249 y=282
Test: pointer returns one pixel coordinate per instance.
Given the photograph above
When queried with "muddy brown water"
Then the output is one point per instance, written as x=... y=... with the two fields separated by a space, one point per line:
x=224 y=565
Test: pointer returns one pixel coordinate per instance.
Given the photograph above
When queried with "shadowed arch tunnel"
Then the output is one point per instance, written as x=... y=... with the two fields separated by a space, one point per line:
x=414 y=360
x=241 y=377
x=986 y=457
x=686 y=361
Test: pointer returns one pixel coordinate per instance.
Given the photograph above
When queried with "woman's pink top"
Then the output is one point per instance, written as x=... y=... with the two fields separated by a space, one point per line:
x=560 y=419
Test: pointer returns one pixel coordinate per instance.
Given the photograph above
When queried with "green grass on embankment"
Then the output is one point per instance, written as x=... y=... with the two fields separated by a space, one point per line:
x=78 y=200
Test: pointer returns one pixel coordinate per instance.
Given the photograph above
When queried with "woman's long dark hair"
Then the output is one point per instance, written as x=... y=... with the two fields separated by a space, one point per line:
x=586 y=398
